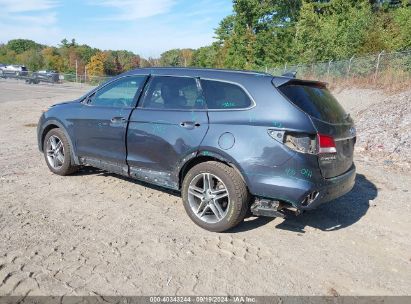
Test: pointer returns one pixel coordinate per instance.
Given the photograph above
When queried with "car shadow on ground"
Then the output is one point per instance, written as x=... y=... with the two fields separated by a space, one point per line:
x=337 y=214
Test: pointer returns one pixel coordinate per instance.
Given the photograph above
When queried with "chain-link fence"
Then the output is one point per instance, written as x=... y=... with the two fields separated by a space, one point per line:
x=389 y=70
x=385 y=70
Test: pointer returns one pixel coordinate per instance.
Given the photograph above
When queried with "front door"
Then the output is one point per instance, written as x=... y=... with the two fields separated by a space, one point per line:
x=101 y=124
x=166 y=129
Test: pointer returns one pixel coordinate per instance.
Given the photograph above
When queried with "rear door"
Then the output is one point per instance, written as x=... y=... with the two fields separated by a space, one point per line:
x=329 y=118
x=166 y=129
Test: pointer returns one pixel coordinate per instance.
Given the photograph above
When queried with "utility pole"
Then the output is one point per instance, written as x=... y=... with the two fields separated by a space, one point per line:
x=378 y=66
x=76 y=71
x=349 y=66
x=329 y=67
x=85 y=74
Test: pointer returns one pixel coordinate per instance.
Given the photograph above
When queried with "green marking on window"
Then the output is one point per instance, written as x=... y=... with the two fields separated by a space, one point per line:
x=228 y=104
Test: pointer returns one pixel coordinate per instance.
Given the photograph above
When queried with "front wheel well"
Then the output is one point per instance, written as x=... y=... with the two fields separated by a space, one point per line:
x=45 y=131
x=201 y=159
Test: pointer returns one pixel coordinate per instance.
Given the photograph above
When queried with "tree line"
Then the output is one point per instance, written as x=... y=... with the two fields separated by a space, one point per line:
x=258 y=34
x=69 y=57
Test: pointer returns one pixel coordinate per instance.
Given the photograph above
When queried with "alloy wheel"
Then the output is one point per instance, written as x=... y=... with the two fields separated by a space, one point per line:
x=208 y=197
x=55 y=152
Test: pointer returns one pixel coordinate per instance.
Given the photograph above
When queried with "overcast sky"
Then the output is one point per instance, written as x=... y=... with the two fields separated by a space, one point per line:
x=146 y=27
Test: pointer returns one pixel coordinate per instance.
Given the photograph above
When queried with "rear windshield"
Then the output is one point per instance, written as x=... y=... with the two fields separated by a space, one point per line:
x=316 y=101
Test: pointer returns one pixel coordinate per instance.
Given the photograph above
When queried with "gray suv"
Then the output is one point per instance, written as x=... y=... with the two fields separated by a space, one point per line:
x=232 y=142
x=13 y=70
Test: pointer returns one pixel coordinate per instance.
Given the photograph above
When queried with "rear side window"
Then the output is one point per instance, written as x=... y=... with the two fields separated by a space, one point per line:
x=316 y=101
x=224 y=95
x=167 y=92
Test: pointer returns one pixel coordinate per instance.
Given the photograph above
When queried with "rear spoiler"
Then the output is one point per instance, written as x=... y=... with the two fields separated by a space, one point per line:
x=279 y=81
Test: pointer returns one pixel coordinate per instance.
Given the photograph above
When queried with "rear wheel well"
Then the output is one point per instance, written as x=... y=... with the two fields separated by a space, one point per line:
x=45 y=131
x=201 y=159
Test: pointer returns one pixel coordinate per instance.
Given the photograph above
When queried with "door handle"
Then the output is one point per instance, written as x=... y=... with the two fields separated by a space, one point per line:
x=118 y=120
x=189 y=124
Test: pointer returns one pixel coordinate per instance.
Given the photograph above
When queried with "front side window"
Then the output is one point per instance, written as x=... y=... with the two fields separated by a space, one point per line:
x=120 y=93
x=167 y=92
x=224 y=95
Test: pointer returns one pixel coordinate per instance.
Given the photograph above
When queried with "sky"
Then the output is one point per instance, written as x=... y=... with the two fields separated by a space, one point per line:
x=146 y=27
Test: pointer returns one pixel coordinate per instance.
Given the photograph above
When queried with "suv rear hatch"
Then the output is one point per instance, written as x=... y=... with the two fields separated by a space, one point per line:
x=329 y=118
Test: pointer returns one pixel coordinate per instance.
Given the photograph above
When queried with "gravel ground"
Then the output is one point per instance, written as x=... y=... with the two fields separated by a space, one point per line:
x=95 y=233
x=383 y=124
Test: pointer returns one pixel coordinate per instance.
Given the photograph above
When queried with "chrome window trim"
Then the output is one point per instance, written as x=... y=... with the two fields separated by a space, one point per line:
x=86 y=102
x=143 y=96
x=253 y=103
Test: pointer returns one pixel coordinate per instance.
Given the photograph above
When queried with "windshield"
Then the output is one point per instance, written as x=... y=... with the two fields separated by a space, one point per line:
x=316 y=101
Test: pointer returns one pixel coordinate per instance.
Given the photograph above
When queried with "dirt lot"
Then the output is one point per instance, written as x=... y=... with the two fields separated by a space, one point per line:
x=97 y=233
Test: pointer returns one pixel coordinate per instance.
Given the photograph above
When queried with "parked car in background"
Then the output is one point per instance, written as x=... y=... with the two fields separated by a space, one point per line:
x=232 y=142
x=13 y=70
x=1 y=72
x=44 y=76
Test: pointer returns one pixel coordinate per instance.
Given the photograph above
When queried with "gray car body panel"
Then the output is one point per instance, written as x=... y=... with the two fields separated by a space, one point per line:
x=155 y=148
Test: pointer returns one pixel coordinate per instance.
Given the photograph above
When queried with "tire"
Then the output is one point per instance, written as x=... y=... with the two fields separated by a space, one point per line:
x=58 y=157
x=202 y=208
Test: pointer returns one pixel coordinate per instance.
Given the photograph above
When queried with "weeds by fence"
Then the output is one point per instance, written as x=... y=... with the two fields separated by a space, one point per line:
x=390 y=71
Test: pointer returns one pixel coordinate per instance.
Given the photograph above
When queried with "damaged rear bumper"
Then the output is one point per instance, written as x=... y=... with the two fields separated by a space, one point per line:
x=318 y=193
x=331 y=189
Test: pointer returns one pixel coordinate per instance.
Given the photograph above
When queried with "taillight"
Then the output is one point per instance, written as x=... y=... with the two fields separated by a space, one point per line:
x=326 y=144
x=319 y=144
x=300 y=142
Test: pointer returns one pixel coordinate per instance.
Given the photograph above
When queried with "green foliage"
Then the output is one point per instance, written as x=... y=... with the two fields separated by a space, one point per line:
x=52 y=59
x=205 y=56
x=268 y=33
x=22 y=45
x=120 y=61
x=402 y=21
x=32 y=59
x=171 y=58
x=337 y=33
x=68 y=57
x=258 y=34
x=177 y=57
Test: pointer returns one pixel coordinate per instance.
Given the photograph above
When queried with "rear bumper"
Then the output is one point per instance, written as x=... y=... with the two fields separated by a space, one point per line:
x=296 y=180
x=333 y=188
